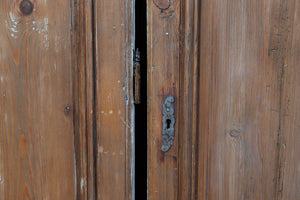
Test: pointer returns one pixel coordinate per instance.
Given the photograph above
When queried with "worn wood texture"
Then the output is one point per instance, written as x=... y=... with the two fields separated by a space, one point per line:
x=173 y=69
x=189 y=100
x=288 y=181
x=163 y=80
x=114 y=43
x=249 y=100
x=235 y=78
x=36 y=105
x=83 y=87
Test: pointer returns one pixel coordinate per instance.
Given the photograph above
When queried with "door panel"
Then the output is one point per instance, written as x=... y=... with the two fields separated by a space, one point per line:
x=114 y=43
x=163 y=82
x=247 y=53
x=66 y=103
x=244 y=99
x=36 y=105
x=236 y=99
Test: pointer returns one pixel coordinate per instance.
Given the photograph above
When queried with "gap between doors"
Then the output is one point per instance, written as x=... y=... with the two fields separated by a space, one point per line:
x=141 y=108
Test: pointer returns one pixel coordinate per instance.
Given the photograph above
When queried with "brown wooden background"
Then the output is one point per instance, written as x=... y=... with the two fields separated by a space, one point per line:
x=66 y=106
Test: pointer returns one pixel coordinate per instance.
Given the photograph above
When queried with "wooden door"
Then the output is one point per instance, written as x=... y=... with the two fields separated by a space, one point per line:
x=66 y=106
x=233 y=70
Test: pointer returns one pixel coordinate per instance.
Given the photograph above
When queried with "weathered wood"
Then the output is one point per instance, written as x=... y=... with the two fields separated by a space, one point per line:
x=114 y=101
x=288 y=181
x=189 y=100
x=163 y=81
x=237 y=99
x=82 y=62
x=36 y=105
x=247 y=66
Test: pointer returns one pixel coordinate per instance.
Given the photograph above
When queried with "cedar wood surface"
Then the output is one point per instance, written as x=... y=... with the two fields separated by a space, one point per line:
x=66 y=90
x=237 y=99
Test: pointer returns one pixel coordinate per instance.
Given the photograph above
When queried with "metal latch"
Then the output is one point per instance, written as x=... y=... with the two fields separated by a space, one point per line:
x=168 y=131
x=137 y=77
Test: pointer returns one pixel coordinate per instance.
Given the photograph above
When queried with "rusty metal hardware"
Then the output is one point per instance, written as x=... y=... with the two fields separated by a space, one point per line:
x=137 y=77
x=168 y=131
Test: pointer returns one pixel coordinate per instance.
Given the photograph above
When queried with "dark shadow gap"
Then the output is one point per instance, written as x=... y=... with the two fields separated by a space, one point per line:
x=141 y=109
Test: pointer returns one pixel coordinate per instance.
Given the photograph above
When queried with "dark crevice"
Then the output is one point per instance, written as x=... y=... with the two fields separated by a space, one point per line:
x=141 y=109
x=95 y=140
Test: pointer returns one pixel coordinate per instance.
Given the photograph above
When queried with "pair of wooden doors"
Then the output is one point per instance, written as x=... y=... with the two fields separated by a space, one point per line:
x=223 y=90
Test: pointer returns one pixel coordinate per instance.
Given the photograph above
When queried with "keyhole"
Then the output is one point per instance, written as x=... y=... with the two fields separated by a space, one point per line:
x=168 y=123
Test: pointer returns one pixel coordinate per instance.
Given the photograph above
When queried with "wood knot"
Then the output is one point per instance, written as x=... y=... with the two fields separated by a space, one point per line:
x=235 y=133
x=26 y=7
x=162 y=4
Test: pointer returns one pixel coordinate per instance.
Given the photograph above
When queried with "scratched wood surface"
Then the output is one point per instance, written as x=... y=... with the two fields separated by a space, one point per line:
x=249 y=116
x=36 y=113
x=114 y=98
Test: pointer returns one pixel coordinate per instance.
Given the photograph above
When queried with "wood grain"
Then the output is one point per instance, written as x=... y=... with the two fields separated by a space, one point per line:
x=247 y=66
x=163 y=80
x=36 y=109
x=189 y=100
x=236 y=83
x=288 y=181
x=114 y=43
x=83 y=87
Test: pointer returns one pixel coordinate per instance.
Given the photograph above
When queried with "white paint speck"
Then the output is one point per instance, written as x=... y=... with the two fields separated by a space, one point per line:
x=82 y=183
x=110 y=112
x=13 y=18
x=100 y=149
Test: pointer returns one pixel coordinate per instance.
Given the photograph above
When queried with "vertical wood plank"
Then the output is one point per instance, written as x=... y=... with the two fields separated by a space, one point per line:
x=114 y=98
x=36 y=109
x=163 y=80
x=289 y=137
x=83 y=83
x=189 y=100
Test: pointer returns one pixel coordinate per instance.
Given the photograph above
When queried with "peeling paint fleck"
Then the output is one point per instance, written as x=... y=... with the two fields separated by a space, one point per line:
x=82 y=184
